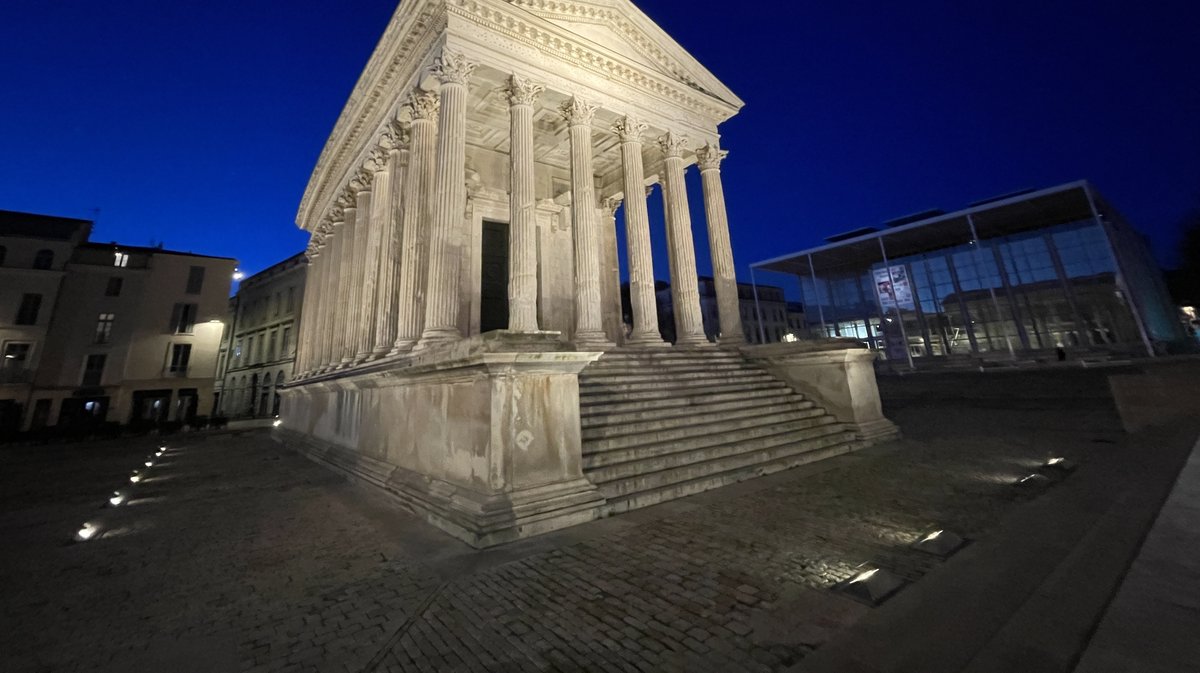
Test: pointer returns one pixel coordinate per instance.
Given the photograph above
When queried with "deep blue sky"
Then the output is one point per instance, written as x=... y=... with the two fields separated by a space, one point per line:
x=197 y=123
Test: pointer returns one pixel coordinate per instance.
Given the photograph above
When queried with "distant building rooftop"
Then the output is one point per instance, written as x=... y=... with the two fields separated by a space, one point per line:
x=32 y=225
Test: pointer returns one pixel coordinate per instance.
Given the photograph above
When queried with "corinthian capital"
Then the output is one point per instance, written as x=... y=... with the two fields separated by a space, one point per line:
x=361 y=182
x=424 y=105
x=521 y=91
x=673 y=144
x=578 y=112
x=377 y=161
x=452 y=67
x=337 y=215
x=710 y=157
x=398 y=134
x=630 y=129
x=610 y=205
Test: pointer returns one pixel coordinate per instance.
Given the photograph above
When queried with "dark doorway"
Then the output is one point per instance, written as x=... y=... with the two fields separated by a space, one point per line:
x=150 y=406
x=82 y=412
x=187 y=404
x=493 y=286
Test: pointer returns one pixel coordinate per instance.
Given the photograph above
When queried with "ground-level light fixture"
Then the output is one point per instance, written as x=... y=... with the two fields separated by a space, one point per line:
x=135 y=477
x=277 y=423
x=118 y=498
x=1059 y=465
x=872 y=586
x=1032 y=481
x=149 y=463
x=87 y=532
x=942 y=543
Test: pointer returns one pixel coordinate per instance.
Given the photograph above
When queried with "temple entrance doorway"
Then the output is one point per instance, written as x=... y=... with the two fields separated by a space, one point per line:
x=493 y=293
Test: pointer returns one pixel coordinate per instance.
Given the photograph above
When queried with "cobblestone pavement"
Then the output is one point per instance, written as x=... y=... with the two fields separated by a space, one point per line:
x=237 y=555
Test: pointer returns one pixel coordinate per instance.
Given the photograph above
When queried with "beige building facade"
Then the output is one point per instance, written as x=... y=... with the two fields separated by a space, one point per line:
x=258 y=352
x=464 y=278
x=124 y=334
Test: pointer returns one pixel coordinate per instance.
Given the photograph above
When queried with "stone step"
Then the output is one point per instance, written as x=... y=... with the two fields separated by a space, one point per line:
x=663 y=360
x=622 y=407
x=681 y=429
x=789 y=456
x=594 y=371
x=602 y=465
x=778 y=401
x=658 y=375
x=666 y=380
x=591 y=397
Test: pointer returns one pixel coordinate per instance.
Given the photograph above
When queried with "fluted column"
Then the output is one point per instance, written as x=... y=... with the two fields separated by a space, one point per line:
x=522 y=230
x=392 y=231
x=637 y=236
x=376 y=251
x=689 y=325
x=357 y=298
x=308 y=308
x=589 y=328
x=331 y=283
x=414 y=243
x=341 y=306
x=724 y=275
x=449 y=202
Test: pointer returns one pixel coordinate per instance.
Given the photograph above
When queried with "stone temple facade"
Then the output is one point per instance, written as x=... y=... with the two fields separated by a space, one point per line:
x=463 y=346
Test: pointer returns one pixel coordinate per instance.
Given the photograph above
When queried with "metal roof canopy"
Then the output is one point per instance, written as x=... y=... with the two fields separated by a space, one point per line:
x=1023 y=212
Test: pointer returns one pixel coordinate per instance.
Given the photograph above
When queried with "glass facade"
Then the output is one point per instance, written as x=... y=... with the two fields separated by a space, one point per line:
x=1006 y=282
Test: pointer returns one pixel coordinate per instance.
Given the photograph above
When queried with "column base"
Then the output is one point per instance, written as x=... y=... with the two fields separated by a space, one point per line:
x=693 y=340
x=654 y=340
x=593 y=341
x=402 y=347
x=439 y=336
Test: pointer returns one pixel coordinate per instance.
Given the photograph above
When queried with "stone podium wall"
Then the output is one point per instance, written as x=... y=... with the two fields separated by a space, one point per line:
x=482 y=439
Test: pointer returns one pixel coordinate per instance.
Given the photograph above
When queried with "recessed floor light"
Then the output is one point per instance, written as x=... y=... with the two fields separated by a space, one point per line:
x=86 y=533
x=872 y=587
x=942 y=543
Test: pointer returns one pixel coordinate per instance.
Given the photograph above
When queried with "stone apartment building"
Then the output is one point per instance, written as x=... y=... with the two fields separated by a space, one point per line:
x=258 y=353
x=104 y=332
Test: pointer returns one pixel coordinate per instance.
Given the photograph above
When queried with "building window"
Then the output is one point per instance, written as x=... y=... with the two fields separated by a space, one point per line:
x=44 y=259
x=195 y=281
x=104 y=325
x=286 y=342
x=237 y=351
x=120 y=259
x=113 y=289
x=291 y=305
x=31 y=305
x=12 y=367
x=250 y=351
x=180 y=355
x=258 y=355
x=183 y=318
x=271 y=348
x=93 y=369
x=3 y=254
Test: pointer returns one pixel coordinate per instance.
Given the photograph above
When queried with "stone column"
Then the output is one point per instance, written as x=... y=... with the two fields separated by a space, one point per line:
x=589 y=328
x=341 y=304
x=724 y=275
x=689 y=325
x=308 y=309
x=637 y=237
x=414 y=244
x=522 y=230
x=378 y=225
x=449 y=202
x=388 y=203
x=358 y=315
x=330 y=283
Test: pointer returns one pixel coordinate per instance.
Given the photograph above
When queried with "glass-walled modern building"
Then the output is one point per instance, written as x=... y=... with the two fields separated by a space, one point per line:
x=1033 y=271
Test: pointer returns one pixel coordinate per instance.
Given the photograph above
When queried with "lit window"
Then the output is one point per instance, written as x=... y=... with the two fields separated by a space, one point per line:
x=104 y=325
x=120 y=259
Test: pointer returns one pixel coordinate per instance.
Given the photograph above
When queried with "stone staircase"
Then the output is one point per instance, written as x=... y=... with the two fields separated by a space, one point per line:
x=660 y=424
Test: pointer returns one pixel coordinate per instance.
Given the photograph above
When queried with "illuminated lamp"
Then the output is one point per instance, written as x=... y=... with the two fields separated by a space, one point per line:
x=86 y=533
x=872 y=587
x=118 y=498
x=942 y=543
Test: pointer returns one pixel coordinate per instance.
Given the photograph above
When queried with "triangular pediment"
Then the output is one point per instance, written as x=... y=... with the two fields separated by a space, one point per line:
x=618 y=26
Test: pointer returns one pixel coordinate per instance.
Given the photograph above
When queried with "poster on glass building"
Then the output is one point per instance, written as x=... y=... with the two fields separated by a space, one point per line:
x=893 y=288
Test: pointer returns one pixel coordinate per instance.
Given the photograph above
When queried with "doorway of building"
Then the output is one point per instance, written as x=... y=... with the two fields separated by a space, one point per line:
x=493 y=286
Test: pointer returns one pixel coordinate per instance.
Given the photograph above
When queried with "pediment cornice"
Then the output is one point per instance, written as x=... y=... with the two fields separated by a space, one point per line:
x=418 y=27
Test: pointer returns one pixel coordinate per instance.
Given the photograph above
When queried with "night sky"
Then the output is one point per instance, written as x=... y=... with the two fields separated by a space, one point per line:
x=197 y=123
